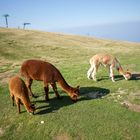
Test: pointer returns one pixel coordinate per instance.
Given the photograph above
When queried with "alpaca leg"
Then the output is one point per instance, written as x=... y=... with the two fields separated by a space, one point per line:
x=18 y=104
x=28 y=84
x=94 y=72
x=13 y=99
x=55 y=90
x=12 y=96
x=46 y=89
x=89 y=73
x=111 y=74
x=109 y=71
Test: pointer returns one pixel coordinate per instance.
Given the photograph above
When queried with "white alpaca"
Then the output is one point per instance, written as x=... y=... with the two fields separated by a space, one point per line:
x=108 y=61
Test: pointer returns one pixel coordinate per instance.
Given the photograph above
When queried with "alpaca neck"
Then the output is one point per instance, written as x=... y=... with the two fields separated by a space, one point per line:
x=119 y=67
x=121 y=71
x=26 y=103
x=65 y=85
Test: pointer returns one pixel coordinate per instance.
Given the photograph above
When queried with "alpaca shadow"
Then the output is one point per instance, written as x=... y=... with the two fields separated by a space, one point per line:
x=54 y=105
x=116 y=77
x=38 y=94
x=41 y=94
x=103 y=78
x=135 y=76
x=88 y=93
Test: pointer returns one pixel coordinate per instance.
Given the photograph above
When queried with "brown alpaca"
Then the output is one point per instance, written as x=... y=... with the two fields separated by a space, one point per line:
x=19 y=92
x=108 y=61
x=49 y=74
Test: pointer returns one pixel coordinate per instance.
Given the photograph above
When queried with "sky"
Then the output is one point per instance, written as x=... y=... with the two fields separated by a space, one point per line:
x=54 y=15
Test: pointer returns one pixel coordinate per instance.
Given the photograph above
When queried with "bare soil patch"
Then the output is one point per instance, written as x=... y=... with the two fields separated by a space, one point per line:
x=61 y=137
x=1 y=131
x=133 y=107
x=4 y=77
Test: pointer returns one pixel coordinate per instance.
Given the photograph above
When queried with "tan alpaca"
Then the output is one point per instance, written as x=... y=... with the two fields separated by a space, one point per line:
x=108 y=61
x=19 y=92
x=49 y=74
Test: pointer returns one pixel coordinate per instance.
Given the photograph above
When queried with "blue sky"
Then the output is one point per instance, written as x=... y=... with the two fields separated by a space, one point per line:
x=56 y=14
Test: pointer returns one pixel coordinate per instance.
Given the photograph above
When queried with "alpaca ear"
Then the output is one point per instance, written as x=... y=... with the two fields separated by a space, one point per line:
x=32 y=105
x=78 y=87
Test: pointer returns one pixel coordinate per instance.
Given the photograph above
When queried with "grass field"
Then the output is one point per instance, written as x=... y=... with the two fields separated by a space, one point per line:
x=104 y=111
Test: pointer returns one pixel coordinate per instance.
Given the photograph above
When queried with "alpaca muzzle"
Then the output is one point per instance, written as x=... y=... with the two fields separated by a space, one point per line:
x=74 y=97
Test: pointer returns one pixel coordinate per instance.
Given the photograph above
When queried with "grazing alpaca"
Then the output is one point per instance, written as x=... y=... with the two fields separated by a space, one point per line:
x=108 y=61
x=49 y=74
x=19 y=92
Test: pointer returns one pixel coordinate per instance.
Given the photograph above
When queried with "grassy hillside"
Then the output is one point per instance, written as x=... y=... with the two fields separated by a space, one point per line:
x=104 y=110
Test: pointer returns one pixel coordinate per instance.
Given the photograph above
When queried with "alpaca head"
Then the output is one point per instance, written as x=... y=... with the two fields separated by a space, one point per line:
x=75 y=93
x=31 y=109
x=127 y=75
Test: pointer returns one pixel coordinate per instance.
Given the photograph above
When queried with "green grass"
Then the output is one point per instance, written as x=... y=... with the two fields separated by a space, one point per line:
x=100 y=118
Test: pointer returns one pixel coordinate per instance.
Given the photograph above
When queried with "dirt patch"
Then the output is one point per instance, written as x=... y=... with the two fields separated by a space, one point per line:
x=133 y=107
x=133 y=97
x=50 y=59
x=7 y=70
x=126 y=99
x=131 y=102
x=119 y=95
x=4 y=77
x=1 y=132
x=61 y=137
x=15 y=65
x=66 y=137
